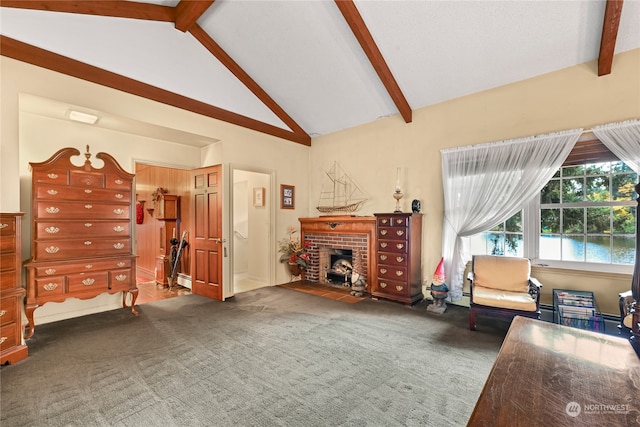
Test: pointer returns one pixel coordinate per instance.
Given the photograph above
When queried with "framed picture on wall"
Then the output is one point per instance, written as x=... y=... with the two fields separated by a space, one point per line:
x=287 y=196
x=258 y=196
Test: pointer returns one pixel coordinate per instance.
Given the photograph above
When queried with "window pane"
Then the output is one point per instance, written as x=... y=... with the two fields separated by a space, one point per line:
x=622 y=186
x=499 y=227
x=598 y=249
x=572 y=190
x=573 y=171
x=623 y=250
x=573 y=220
x=598 y=189
x=620 y=167
x=550 y=247
x=551 y=192
x=598 y=168
x=573 y=248
x=550 y=220
x=598 y=220
x=496 y=243
x=624 y=220
x=513 y=245
x=514 y=223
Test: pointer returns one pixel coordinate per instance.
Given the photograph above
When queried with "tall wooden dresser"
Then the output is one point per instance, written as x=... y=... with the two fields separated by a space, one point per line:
x=399 y=257
x=81 y=231
x=12 y=349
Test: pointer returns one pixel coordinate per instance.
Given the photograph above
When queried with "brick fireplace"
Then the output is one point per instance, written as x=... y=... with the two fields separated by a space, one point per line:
x=328 y=234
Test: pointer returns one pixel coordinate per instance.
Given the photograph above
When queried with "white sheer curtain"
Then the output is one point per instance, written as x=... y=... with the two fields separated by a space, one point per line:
x=623 y=139
x=486 y=184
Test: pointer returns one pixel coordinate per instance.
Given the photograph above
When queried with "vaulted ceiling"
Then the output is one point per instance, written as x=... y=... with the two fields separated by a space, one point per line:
x=298 y=69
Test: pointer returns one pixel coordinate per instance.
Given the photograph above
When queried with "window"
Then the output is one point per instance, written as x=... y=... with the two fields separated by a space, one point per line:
x=585 y=214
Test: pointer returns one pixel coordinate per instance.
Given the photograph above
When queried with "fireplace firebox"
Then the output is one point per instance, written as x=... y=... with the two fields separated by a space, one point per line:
x=341 y=261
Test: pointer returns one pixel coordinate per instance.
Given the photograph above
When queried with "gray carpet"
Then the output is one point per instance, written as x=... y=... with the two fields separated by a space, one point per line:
x=270 y=357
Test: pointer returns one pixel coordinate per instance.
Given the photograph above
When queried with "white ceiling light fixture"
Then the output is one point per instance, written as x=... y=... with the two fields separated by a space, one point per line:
x=78 y=116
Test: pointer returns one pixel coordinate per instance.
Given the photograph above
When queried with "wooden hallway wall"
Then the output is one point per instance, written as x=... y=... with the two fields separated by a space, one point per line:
x=176 y=182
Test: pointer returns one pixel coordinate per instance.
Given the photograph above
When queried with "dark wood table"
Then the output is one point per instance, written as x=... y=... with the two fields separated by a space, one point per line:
x=554 y=375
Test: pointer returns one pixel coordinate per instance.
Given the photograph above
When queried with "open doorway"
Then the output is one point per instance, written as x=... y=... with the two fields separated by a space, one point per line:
x=252 y=210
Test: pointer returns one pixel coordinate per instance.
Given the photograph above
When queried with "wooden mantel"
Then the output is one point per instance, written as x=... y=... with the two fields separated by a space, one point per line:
x=346 y=225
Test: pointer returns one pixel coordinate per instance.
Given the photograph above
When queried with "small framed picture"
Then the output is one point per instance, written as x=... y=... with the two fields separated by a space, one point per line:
x=287 y=196
x=258 y=196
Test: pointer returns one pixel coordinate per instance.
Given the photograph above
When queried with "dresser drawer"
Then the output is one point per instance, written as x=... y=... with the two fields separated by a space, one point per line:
x=82 y=266
x=79 y=248
x=55 y=210
x=87 y=282
x=391 y=221
x=52 y=176
x=389 y=258
x=9 y=310
x=9 y=336
x=393 y=288
x=7 y=262
x=8 y=280
x=65 y=230
x=392 y=233
x=49 y=286
x=392 y=272
x=7 y=227
x=86 y=179
x=60 y=192
x=117 y=182
x=121 y=279
x=392 y=246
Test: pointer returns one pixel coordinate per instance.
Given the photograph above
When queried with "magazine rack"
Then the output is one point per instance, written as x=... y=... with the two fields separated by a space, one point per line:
x=578 y=309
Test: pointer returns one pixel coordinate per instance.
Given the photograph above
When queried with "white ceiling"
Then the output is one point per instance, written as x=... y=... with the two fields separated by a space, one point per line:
x=304 y=55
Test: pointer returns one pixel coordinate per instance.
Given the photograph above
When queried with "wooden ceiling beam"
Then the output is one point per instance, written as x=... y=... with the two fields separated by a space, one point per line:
x=241 y=75
x=118 y=9
x=612 y=13
x=361 y=32
x=188 y=12
x=24 y=52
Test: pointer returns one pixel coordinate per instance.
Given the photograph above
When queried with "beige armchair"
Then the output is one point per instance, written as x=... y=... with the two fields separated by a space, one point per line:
x=502 y=287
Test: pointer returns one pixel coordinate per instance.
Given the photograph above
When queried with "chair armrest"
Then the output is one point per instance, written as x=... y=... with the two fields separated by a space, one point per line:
x=535 y=282
x=628 y=293
x=470 y=276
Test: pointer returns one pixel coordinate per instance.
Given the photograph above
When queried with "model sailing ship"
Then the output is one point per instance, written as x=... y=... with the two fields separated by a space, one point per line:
x=339 y=194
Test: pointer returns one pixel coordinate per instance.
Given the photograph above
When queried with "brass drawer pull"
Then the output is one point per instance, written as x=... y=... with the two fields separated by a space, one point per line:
x=400 y=245
x=52 y=230
x=52 y=210
x=50 y=271
x=400 y=221
x=384 y=220
x=3 y=339
x=88 y=266
x=383 y=232
x=3 y=312
x=383 y=244
x=88 y=281
x=53 y=175
x=88 y=206
x=52 y=192
x=118 y=228
x=52 y=249
x=400 y=232
x=88 y=190
x=383 y=285
x=87 y=243
x=399 y=288
x=118 y=211
x=121 y=277
x=118 y=181
x=383 y=257
x=383 y=270
x=121 y=264
x=118 y=245
x=3 y=226
x=399 y=259
x=50 y=286
x=119 y=196
x=399 y=273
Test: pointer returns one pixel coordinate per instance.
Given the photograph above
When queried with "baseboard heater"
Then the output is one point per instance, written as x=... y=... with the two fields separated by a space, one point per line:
x=184 y=280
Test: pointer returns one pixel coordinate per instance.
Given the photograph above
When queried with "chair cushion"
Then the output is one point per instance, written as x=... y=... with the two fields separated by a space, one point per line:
x=505 y=273
x=503 y=299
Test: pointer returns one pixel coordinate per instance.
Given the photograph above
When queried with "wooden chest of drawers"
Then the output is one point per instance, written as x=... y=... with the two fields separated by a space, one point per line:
x=81 y=231
x=11 y=291
x=398 y=257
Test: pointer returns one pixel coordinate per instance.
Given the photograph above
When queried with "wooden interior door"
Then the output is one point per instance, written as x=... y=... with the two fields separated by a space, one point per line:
x=206 y=241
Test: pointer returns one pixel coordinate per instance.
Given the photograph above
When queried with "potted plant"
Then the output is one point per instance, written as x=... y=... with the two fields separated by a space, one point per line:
x=294 y=253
